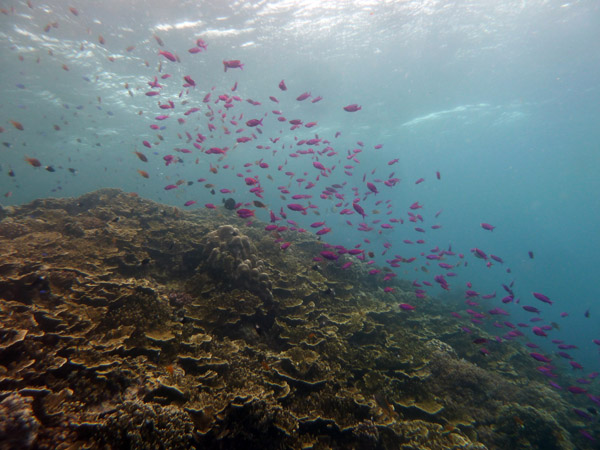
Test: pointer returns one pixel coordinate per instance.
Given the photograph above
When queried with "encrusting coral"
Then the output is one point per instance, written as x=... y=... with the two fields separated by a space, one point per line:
x=126 y=323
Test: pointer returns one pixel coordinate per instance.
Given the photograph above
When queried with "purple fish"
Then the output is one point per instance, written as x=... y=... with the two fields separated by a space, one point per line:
x=352 y=108
x=532 y=309
x=359 y=209
x=542 y=297
x=254 y=122
x=479 y=253
x=372 y=187
x=539 y=332
x=540 y=357
x=406 y=307
x=297 y=207
x=327 y=254
x=487 y=226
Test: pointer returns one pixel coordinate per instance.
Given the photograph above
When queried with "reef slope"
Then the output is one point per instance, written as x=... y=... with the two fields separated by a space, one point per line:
x=131 y=324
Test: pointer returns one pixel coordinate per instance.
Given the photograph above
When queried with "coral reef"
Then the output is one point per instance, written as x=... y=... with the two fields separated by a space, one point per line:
x=130 y=324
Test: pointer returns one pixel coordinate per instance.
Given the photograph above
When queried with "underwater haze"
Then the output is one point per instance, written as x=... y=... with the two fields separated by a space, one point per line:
x=472 y=124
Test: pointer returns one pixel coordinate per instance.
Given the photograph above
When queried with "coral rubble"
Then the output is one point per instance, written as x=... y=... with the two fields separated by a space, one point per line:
x=130 y=324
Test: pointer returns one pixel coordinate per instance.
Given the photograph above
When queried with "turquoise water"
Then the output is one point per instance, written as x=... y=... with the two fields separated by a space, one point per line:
x=502 y=98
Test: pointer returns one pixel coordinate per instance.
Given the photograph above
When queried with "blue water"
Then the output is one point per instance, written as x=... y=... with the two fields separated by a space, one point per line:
x=502 y=98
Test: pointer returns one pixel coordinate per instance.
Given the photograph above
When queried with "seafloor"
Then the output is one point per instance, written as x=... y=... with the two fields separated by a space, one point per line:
x=131 y=324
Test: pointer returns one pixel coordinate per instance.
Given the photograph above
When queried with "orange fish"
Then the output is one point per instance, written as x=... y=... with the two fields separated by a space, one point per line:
x=33 y=161
x=101 y=40
x=73 y=11
x=141 y=156
x=16 y=124
x=143 y=173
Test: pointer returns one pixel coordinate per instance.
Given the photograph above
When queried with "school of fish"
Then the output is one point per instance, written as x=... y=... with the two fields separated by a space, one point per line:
x=334 y=191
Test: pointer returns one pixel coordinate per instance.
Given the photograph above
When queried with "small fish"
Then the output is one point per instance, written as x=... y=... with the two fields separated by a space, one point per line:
x=540 y=357
x=141 y=156
x=143 y=173
x=542 y=297
x=352 y=108
x=372 y=187
x=254 y=122
x=406 y=307
x=232 y=64
x=33 y=161
x=303 y=96
x=244 y=213
x=170 y=56
x=282 y=85
x=487 y=226
x=17 y=125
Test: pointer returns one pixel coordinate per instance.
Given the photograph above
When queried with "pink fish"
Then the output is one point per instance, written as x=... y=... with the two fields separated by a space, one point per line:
x=244 y=213
x=303 y=96
x=170 y=186
x=232 y=64
x=147 y=144
x=317 y=224
x=282 y=85
x=190 y=203
x=487 y=226
x=352 y=108
x=273 y=99
x=210 y=206
x=170 y=56
x=540 y=357
x=327 y=254
x=372 y=187
x=254 y=122
x=297 y=207
x=542 y=298
x=189 y=81
x=539 y=332
x=323 y=231
x=316 y=99
x=359 y=209
x=420 y=180
x=406 y=307
x=318 y=165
